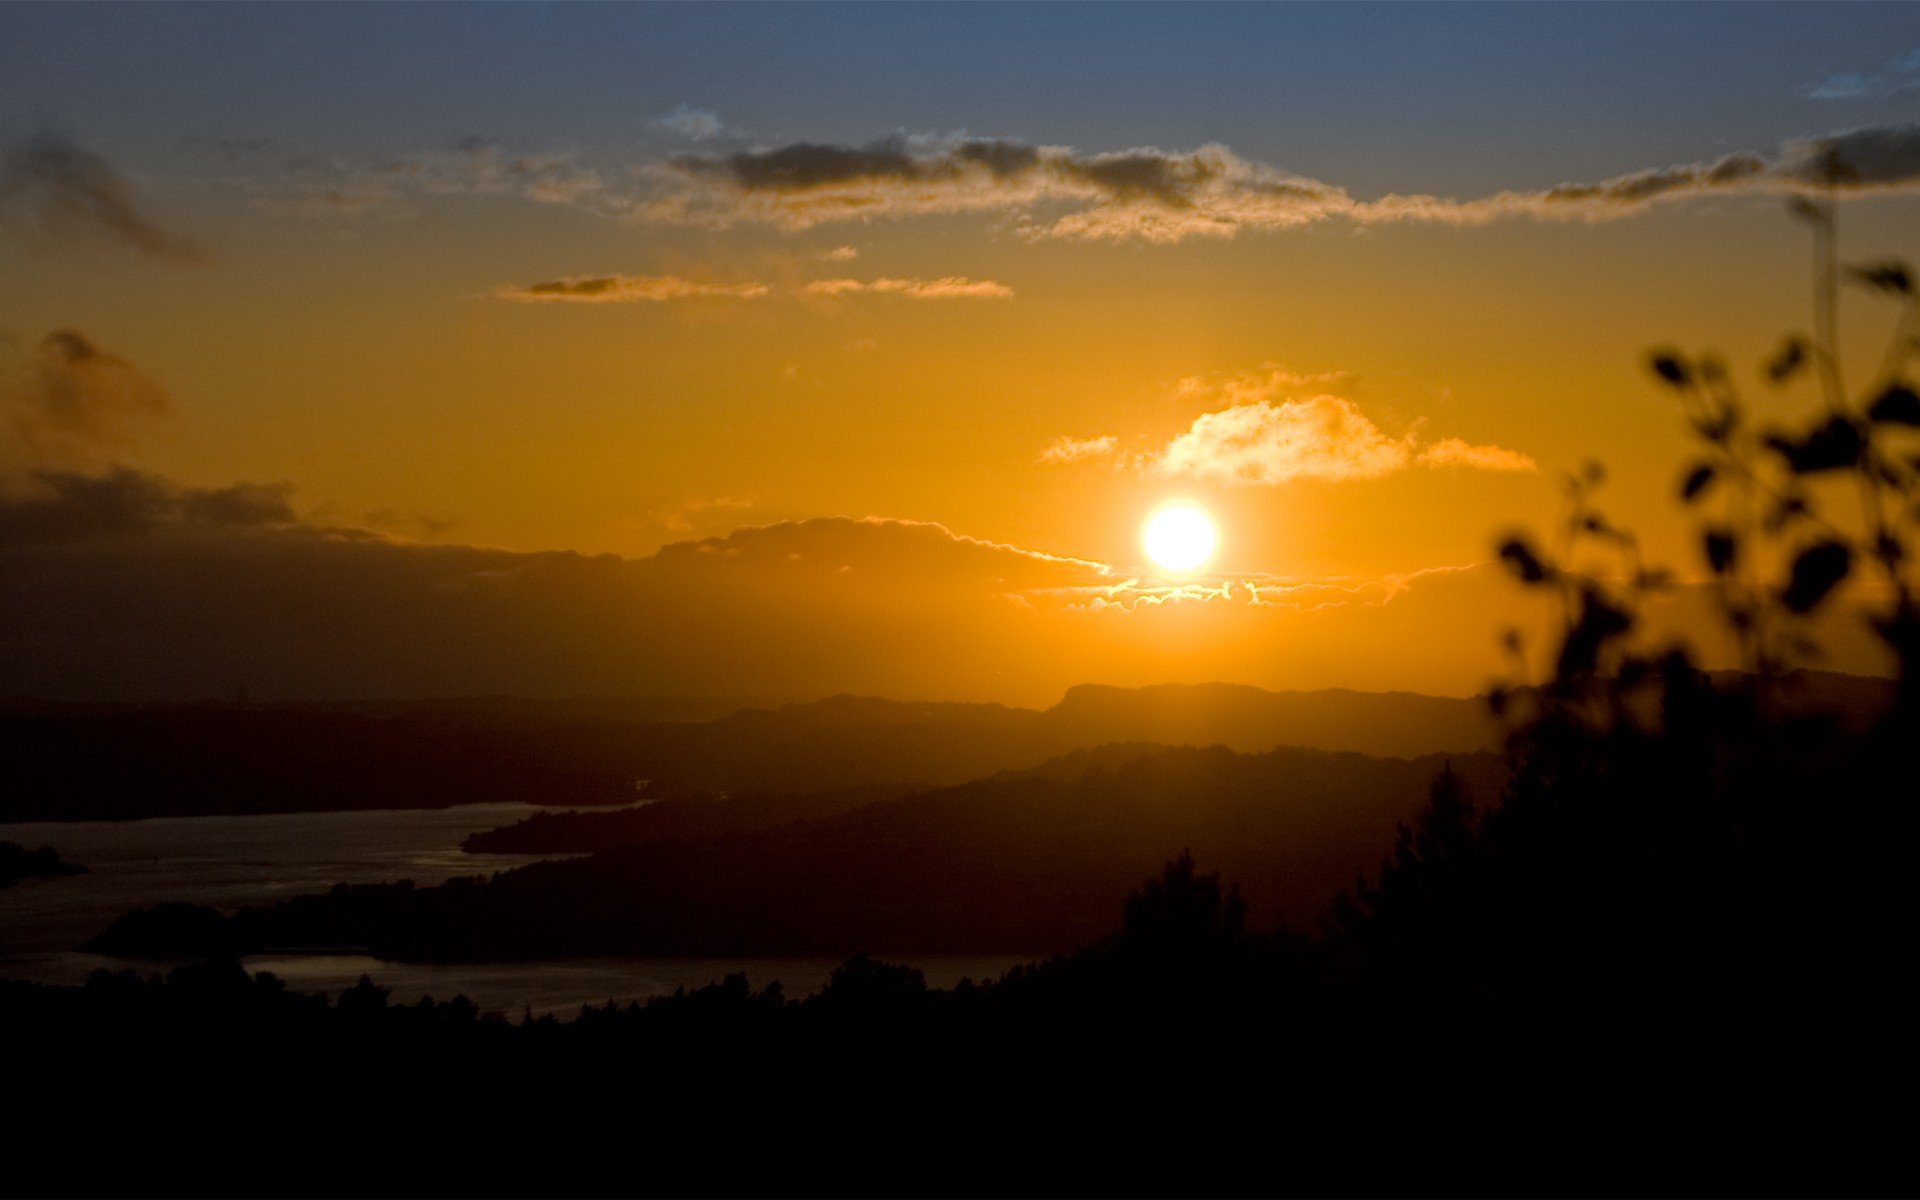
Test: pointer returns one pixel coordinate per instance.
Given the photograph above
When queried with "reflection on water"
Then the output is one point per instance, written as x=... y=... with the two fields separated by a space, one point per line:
x=561 y=987
x=233 y=861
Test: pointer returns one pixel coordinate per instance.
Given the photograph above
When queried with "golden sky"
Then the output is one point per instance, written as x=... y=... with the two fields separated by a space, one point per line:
x=743 y=326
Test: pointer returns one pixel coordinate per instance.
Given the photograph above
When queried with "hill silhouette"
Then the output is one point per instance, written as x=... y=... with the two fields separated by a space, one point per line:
x=116 y=762
x=1025 y=861
x=109 y=762
x=18 y=863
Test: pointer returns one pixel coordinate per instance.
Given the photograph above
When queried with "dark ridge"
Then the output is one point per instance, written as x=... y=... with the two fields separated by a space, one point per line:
x=18 y=863
x=1022 y=862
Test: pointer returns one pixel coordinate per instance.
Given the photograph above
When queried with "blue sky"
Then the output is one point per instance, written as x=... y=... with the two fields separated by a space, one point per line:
x=1381 y=97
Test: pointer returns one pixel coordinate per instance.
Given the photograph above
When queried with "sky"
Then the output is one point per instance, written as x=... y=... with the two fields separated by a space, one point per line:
x=760 y=350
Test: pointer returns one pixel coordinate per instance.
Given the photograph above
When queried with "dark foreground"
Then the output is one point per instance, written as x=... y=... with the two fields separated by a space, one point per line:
x=1664 y=962
x=1671 y=955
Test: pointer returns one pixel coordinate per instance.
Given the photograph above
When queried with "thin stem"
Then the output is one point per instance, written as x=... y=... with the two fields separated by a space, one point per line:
x=1826 y=305
x=1900 y=345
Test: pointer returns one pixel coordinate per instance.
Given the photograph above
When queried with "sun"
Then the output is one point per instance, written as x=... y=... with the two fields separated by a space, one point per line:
x=1179 y=536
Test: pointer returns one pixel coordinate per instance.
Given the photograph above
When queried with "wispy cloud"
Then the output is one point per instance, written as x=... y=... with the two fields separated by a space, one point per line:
x=626 y=289
x=693 y=124
x=632 y=289
x=1898 y=80
x=67 y=402
x=68 y=191
x=1073 y=450
x=1144 y=194
x=951 y=287
x=679 y=518
x=1154 y=195
x=1454 y=452
x=475 y=167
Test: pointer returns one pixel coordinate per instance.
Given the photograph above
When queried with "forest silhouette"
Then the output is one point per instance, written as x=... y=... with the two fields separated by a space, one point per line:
x=18 y=863
x=1661 y=946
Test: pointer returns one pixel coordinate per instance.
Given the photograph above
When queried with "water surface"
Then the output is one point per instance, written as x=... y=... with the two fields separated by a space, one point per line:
x=228 y=862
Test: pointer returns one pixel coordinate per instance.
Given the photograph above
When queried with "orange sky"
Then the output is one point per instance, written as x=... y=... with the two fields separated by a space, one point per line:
x=604 y=350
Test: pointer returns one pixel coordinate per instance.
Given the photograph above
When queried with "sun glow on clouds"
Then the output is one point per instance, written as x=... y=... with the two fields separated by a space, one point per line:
x=951 y=287
x=631 y=289
x=626 y=289
x=1316 y=437
x=1272 y=426
x=1065 y=449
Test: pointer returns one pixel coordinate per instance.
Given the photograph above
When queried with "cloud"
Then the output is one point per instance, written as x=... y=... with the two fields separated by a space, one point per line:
x=1271 y=426
x=1454 y=452
x=841 y=254
x=407 y=523
x=68 y=191
x=68 y=506
x=1065 y=449
x=474 y=167
x=65 y=406
x=693 y=124
x=1265 y=443
x=1845 y=87
x=1898 y=80
x=1328 y=438
x=1144 y=194
x=951 y=287
x=116 y=585
x=626 y=289
x=123 y=585
x=1875 y=160
x=1160 y=196
x=891 y=550
x=66 y=401
x=679 y=518
x=633 y=289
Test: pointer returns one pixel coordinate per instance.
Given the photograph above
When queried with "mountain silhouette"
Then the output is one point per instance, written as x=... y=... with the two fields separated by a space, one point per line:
x=1024 y=861
x=120 y=762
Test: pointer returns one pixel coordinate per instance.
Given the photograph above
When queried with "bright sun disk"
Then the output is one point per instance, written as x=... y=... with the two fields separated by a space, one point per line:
x=1179 y=537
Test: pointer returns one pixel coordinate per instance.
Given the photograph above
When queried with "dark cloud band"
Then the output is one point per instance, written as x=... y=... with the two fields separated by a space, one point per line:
x=68 y=191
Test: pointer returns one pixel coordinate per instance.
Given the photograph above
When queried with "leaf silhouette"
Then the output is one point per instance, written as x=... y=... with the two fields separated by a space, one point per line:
x=1816 y=571
x=1898 y=405
x=1792 y=356
x=1831 y=446
x=1888 y=276
x=1669 y=366
x=1696 y=482
x=1599 y=623
x=1723 y=549
x=1889 y=549
x=1521 y=559
x=1790 y=508
x=1806 y=210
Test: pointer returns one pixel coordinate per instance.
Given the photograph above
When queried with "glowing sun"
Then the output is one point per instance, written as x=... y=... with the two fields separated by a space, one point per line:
x=1179 y=536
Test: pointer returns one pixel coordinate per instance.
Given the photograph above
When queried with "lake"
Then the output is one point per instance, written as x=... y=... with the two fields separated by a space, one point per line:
x=229 y=862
